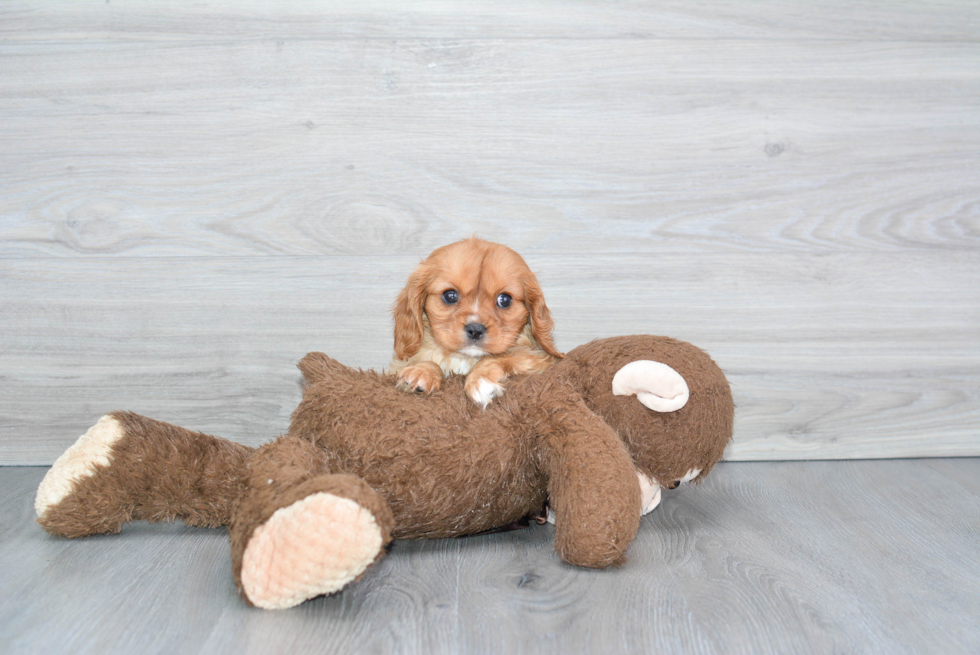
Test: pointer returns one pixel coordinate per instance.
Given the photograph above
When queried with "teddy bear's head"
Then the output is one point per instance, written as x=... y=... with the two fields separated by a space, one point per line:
x=668 y=401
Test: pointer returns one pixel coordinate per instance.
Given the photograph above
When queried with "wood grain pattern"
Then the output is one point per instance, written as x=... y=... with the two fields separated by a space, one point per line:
x=944 y=20
x=634 y=146
x=803 y=557
x=822 y=366
x=193 y=196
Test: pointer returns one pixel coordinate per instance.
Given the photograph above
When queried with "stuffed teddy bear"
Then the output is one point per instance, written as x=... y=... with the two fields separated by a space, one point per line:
x=594 y=438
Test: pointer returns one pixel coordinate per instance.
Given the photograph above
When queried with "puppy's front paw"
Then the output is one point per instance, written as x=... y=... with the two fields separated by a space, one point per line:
x=484 y=383
x=481 y=391
x=420 y=378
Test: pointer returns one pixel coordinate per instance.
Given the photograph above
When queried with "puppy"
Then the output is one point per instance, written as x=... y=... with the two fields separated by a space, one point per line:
x=473 y=308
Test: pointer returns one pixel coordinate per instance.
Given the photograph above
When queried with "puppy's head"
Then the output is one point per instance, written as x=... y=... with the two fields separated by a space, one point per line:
x=477 y=298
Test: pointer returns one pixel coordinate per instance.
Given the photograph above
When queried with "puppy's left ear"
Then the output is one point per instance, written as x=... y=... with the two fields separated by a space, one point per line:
x=541 y=323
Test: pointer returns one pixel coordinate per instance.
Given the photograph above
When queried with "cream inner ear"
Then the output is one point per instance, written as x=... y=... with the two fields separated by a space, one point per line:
x=654 y=384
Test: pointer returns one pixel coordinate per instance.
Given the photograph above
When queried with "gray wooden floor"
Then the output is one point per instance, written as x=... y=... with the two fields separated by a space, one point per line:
x=775 y=557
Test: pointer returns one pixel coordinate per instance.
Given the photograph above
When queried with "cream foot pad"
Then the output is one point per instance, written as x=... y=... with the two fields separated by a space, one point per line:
x=80 y=461
x=314 y=546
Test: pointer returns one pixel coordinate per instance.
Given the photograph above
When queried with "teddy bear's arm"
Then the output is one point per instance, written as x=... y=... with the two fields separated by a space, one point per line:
x=592 y=485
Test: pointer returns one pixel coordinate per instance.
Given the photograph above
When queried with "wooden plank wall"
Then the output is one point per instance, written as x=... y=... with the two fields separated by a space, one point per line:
x=194 y=195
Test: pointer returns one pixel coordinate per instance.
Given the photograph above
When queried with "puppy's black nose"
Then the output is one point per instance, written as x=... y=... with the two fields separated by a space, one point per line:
x=475 y=331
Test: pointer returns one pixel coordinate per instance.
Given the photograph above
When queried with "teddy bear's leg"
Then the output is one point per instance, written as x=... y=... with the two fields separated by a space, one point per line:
x=301 y=531
x=593 y=487
x=128 y=467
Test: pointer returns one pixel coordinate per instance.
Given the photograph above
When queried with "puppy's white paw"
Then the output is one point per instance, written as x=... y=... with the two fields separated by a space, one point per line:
x=482 y=391
x=92 y=449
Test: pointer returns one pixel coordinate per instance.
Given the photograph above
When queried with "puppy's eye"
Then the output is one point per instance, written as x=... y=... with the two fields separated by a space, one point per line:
x=504 y=300
x=450 y=297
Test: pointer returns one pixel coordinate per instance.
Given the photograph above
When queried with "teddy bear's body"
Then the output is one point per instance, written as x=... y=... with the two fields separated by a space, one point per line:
x=443 y=468
x=363 y=463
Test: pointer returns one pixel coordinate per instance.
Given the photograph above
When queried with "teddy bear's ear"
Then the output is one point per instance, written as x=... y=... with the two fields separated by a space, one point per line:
x=317 y=366
x=654 y=384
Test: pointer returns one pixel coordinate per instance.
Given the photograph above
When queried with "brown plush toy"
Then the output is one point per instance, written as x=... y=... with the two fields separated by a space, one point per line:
x=594 y=437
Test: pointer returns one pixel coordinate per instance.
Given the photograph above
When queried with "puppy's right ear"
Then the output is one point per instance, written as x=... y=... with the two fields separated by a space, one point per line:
x=408 y=311
x=541 y=323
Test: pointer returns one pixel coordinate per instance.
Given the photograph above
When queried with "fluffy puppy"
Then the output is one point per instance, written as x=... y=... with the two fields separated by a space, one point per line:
x=473 y=308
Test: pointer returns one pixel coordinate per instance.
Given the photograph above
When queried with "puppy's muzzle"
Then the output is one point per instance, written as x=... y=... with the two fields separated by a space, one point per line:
x=475 y=331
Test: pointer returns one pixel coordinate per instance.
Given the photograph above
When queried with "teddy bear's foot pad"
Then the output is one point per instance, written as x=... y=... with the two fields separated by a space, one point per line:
x=315 y=546
x=82 y=460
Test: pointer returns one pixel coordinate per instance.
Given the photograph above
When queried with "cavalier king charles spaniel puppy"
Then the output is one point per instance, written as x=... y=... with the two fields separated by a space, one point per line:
x=473 y=308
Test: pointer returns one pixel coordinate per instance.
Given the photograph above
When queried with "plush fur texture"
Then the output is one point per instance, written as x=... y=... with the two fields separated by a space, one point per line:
x=473 y=308
x=154 y=472
x=421 y=466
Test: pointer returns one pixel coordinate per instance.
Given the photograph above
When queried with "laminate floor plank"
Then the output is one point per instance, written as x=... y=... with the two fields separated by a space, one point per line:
x=829 y=356
x=498 y=19
x=323 y=129
x=374 y=149
x=803 y=557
